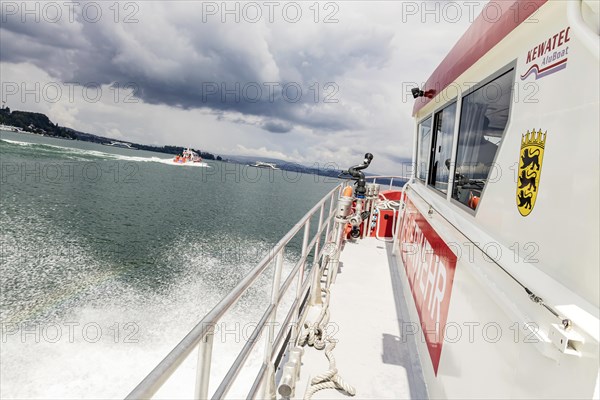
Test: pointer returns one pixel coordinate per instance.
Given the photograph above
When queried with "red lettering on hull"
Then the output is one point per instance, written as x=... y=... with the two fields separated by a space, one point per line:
x=430 y=266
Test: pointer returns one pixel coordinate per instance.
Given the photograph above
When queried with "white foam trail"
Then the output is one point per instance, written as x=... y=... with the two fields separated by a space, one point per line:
x=137 y=329
x=111 y=156
x=106 y=352
x=20 y=143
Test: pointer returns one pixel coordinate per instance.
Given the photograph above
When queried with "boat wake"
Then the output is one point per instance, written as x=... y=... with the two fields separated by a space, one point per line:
x=171 y=162
x=78 y=154
x=111 y=320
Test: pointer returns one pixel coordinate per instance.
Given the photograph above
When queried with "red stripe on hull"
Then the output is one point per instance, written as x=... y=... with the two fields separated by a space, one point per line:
x=485 y=33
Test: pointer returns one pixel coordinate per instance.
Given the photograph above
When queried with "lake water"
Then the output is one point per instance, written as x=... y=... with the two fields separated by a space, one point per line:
x=109 y=256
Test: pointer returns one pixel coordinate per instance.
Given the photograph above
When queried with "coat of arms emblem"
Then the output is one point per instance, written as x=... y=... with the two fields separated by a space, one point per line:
x=530 y=169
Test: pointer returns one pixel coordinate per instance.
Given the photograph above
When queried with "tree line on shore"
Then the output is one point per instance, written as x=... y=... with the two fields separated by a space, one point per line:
x=40 y=123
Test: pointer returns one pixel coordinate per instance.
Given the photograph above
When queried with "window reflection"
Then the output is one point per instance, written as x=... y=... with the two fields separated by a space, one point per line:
x=484 y=115
x=424 y=147
x=442 y=148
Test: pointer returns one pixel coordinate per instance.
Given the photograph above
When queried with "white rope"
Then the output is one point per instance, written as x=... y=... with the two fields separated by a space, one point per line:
x=386 y=203
x=315 y=334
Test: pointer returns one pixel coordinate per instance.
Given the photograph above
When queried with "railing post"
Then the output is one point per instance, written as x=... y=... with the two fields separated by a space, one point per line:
x=391 y=183
x=334 y=228
x=269 y=388
x=319 y=233
x=304 y=255
x=335 y=259
x=315 y=286
x=332 y=201
x=295 y=327
x=204 y=362
x=315 y=289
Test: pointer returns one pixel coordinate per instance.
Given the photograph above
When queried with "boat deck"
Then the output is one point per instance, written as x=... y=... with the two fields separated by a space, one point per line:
x=366 y=311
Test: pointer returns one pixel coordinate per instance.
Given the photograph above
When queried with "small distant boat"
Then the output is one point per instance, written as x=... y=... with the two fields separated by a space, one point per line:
x=260 y=164
x=188 y=156
x=120 y=145
x=10 y=128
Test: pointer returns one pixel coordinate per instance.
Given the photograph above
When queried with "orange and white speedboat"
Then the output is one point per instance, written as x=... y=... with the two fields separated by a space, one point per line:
x=188 y=157
x=477 y=278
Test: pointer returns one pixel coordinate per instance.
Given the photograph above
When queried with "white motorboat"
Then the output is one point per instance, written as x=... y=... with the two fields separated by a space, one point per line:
x=261 y=164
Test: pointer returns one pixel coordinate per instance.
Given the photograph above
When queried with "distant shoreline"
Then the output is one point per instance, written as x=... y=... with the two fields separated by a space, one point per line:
x=40 y=124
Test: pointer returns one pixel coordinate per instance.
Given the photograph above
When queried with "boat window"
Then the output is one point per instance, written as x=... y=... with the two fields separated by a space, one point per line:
x=441 y=150
x=484 y=116
x=424 y=146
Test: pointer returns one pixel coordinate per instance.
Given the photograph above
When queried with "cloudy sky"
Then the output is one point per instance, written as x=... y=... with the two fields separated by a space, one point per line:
x=301 y=81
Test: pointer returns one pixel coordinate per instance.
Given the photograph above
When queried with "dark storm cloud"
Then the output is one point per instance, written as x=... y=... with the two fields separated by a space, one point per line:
x=285 y=74
x=277 y=127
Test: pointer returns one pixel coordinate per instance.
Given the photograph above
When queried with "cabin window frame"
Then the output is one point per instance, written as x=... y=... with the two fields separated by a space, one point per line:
x=454 y=100
x=489 y=79
x=418 y=161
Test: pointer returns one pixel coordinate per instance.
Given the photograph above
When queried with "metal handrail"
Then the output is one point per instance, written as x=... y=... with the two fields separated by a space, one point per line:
x=201 y=336
x=158 y=376
x=237 y=365
x=390 y=177
x=303 y=284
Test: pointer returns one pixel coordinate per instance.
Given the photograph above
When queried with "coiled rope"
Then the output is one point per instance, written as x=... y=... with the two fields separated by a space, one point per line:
x=315 y=334
x=386 y=204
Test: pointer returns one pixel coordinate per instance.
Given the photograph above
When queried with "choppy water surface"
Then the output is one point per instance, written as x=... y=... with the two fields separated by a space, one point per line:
x=109 y=256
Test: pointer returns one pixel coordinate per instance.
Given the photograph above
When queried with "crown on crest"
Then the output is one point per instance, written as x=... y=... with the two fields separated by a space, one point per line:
x=534 y=138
